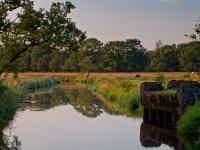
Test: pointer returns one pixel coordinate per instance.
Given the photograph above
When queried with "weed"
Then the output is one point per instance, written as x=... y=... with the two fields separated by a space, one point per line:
x=160 y=78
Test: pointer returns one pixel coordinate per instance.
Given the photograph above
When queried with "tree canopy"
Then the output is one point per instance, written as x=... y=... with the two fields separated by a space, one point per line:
x=32 y=27
x=165 y=59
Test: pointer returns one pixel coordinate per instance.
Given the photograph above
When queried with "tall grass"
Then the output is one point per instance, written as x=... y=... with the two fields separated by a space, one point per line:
x=30 y=84
x=8 y=104
x=122 y=94
x=189 y=127
x=189 y=123
x=13 y=90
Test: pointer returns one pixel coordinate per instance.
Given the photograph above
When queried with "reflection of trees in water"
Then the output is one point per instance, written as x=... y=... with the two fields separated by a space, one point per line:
x=81 y=99
x=7 y=144
x=88 y=104
x=46 y=100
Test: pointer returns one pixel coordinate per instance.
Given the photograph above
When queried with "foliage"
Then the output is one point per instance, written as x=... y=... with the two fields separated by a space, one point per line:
x=39 y=83
x=166 y=92
x=160 y=78
x=31 y=84
x=189 y=126
x=196 y=35
x=189 y=123
x=114 y=56
x=34 y=27
x=123 y=56
x=189 y=56
x=165 y=59
x=8 y=104
x=187 y=77
x=123 y=93
x=86 y=65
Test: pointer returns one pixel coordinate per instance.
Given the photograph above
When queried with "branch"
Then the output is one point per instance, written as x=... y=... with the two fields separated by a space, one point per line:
x=19 y=53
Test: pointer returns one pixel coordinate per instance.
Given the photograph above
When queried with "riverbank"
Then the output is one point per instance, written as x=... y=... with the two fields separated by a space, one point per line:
x=189 y=127
x=14 y=90
x=8 y=103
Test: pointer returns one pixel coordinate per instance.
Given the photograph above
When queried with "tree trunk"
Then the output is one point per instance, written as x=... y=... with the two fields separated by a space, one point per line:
x=88 y=74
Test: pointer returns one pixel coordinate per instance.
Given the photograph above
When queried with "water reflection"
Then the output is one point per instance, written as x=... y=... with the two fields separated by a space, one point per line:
x=79 y=97
x=156 y=131
x=158 y=128
x=9 y=142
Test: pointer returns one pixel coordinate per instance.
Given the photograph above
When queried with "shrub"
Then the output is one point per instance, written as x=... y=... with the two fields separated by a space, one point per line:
x=189 y=123
x=161 y=78
x=187 y=77
x=189 y=127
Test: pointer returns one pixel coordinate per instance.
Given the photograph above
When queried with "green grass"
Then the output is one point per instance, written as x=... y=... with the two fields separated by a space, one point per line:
x=13 y=90
x=8 y=104
x=31 y=84
x=166 y=92
x=189 y=123
x=123 y=94
x=189 y=127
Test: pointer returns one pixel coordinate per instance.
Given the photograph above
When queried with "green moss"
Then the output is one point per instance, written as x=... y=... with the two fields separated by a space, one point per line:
x=166 y=92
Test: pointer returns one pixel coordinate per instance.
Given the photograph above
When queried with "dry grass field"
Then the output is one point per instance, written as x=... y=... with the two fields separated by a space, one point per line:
x=168 y=75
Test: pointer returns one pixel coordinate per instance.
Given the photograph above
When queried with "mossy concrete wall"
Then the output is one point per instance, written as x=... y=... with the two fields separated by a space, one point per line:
x=187 y=94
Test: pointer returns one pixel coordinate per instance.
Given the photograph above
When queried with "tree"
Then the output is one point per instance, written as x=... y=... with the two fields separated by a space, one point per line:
x=86 y=65
x=123 y=56
x=159 y=44
x=38 y=55
x=43 y=63
x=71 y=63
x=189 y=56
x=25 y=62
x=57 y=60
x=195 y=36
x=34 y=27
x=165 y=59
x=88 y=53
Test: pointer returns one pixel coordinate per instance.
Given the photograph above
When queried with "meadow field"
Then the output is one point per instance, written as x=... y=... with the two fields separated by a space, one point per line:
x=144 y=75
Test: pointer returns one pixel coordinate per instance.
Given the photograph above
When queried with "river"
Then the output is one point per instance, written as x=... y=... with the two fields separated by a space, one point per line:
x=71 y=117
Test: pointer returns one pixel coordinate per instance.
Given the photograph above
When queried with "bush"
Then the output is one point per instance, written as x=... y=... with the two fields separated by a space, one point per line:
x=187 y=77
x=8 y=105
x=161 y=78
x=189 y=123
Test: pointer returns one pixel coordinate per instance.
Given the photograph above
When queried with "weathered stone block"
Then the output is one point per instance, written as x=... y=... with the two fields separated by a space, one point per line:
x=188 y=93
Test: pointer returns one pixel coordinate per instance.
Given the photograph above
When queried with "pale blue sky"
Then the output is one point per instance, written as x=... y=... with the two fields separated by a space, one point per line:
x=147 y=20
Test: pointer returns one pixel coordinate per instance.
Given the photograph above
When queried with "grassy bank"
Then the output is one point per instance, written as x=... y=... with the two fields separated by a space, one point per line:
x=122 y=94
x=189 y=127
x=8 y=103
x=32 y=83
x=13 y=90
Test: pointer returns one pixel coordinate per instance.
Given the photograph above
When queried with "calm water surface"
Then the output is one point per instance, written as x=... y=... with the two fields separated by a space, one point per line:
x=69 y=117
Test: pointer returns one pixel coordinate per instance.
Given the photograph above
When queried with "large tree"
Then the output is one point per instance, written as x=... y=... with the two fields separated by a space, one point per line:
x=33 y=27
x=88 y=53
x=165 y=59
x=189 y=56
x=123 y=56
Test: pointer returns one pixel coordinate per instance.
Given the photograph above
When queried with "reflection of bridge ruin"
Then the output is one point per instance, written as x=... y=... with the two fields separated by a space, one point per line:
x=158 y=128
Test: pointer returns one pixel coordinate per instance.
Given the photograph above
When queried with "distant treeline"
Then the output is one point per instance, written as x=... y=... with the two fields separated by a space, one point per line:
x=114 y=56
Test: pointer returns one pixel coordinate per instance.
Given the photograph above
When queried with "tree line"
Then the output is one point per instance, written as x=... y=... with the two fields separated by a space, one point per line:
x=93 y=55
x=48 y=40
x=114 y=56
